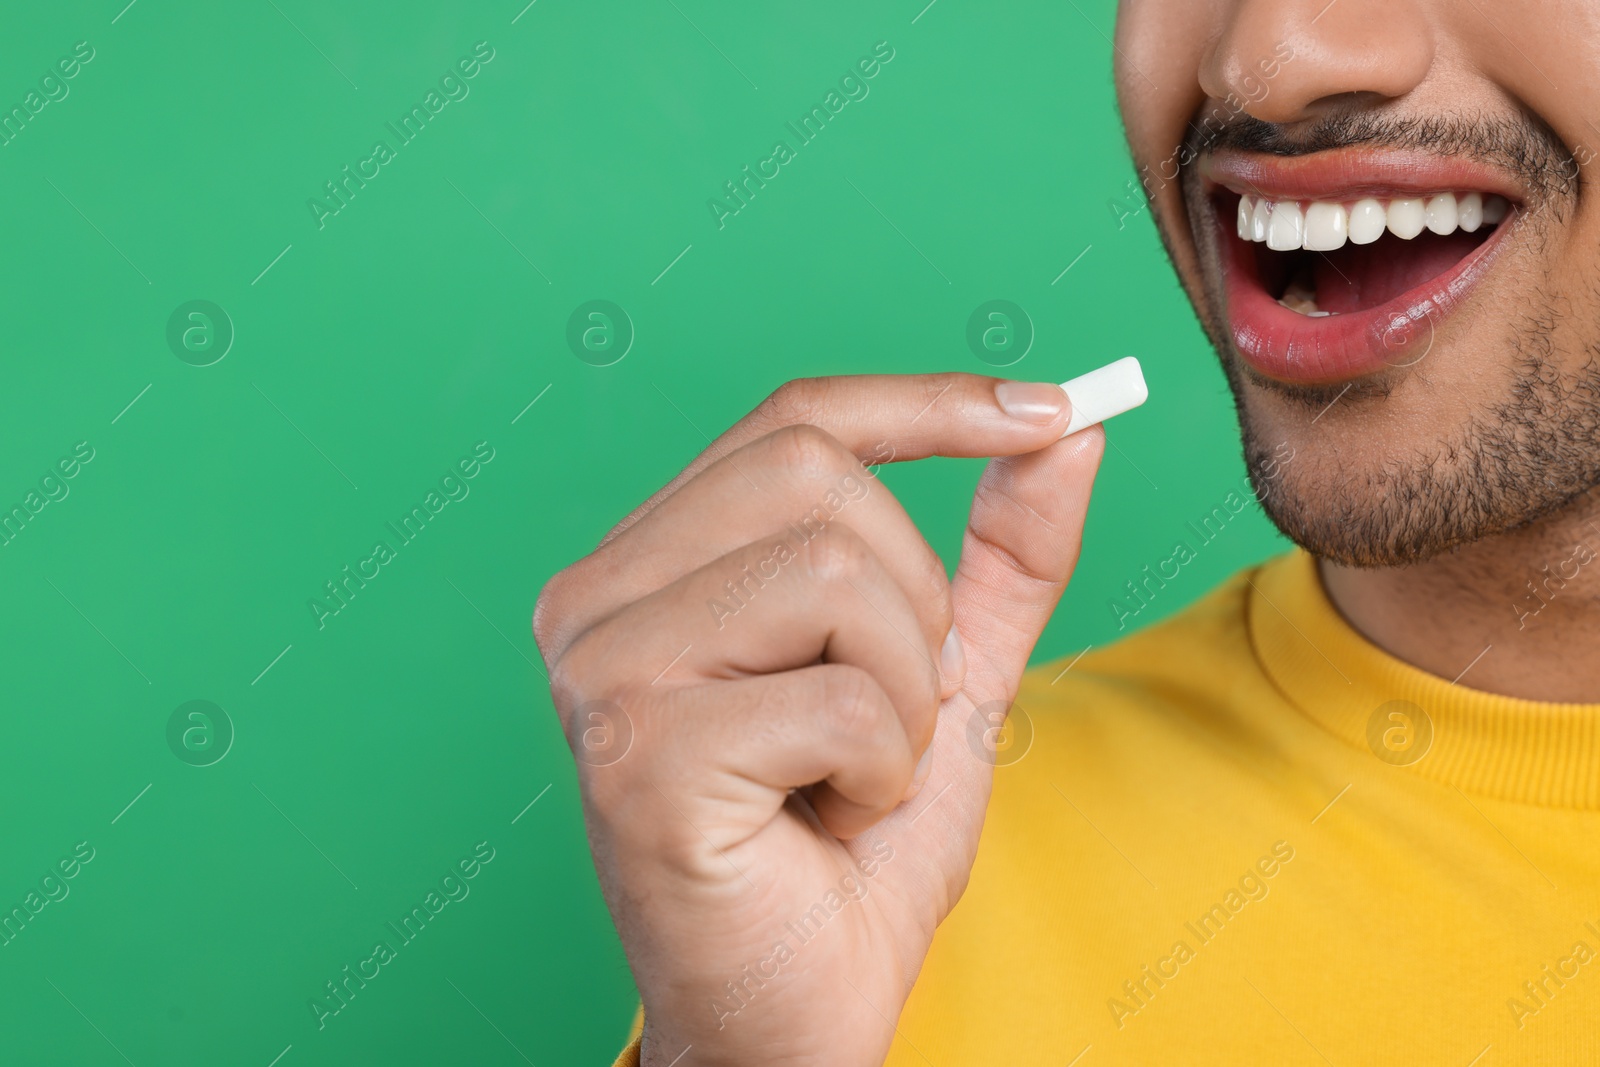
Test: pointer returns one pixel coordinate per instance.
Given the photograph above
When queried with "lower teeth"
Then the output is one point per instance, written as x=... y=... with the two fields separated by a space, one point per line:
x=1302 y=299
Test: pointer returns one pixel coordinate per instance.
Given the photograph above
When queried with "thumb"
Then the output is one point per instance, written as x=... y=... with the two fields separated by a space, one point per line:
x=1022 y=542
x=1021 y=545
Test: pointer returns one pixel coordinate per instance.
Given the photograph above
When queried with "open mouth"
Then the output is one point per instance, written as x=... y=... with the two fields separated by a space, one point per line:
x=1332 y=275
x=1332 y=259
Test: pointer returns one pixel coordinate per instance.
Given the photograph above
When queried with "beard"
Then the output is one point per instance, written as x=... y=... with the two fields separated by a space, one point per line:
x=1528 y=457
x=1508 y=464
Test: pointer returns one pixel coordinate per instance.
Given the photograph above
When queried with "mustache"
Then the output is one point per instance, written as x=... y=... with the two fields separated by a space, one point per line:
x=1525 y=147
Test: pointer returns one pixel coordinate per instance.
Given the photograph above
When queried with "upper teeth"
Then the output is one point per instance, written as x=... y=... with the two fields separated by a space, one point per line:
x=1322 y=226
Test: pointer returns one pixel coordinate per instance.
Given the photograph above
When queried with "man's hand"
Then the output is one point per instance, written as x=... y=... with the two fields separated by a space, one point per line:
x=773 y=693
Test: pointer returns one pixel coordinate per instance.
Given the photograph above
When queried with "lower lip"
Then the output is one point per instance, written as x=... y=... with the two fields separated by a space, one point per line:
x=1292 y=347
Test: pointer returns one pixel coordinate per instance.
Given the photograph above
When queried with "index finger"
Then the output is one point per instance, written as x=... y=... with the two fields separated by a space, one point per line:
x=893 y=418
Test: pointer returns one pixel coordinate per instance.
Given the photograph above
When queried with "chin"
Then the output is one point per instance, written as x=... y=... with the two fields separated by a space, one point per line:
x=1378 y=488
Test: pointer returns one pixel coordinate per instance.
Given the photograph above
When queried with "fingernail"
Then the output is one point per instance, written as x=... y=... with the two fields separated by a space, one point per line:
x=919 y=777
x=953 y=657
x=1040 y=403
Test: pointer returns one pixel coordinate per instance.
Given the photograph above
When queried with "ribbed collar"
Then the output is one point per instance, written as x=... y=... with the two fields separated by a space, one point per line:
x=1496 y=746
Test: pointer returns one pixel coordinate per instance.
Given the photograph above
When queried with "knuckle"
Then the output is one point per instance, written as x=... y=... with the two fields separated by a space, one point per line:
x=808 y=453
x=853 y=705
x=578 y=674
x=566 y=684
x=548 y=611
x=795 y=401
x=1038 y=568
x=933 y=388
x=604 y=728
x=1037 y=578
x=838 y=554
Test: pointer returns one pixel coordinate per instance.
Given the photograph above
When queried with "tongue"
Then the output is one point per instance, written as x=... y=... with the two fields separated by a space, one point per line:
x=1358 y=277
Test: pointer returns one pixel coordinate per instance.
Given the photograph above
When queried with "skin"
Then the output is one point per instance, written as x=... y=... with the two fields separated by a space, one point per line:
x=736 y=767
x=840 y=670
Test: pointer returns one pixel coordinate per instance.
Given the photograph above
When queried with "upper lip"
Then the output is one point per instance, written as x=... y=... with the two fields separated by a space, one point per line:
x=1347 y=174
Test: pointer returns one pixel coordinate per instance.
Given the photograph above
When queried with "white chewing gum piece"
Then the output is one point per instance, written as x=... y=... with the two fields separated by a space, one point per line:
x=1105 y=393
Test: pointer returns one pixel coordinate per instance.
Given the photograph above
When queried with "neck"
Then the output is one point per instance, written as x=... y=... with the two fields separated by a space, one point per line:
x=1516 y=614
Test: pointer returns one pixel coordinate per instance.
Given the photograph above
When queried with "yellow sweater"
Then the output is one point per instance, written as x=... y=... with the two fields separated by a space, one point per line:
x=1247 y=835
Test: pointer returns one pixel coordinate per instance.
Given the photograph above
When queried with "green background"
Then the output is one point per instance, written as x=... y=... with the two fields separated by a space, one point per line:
x=373 y=753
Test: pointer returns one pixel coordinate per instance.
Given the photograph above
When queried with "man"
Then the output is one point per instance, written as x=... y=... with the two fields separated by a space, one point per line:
x=1344 y=810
